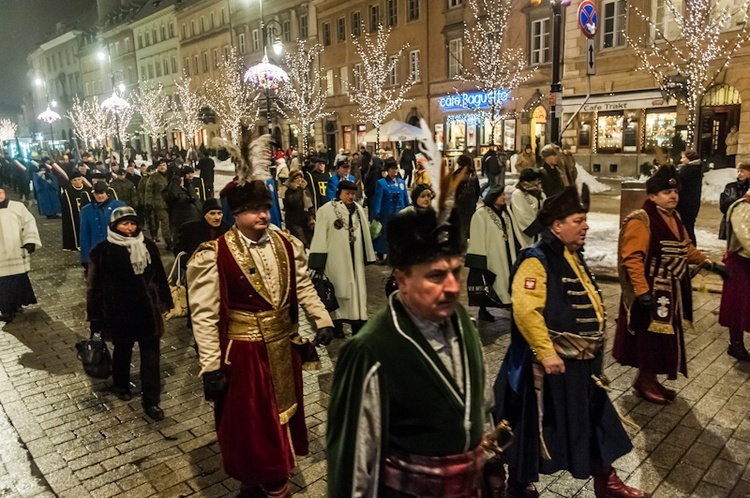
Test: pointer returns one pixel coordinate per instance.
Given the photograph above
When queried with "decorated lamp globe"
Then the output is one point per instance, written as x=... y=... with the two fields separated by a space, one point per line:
x=265 y=75
x=115 y=103
x=48 y=116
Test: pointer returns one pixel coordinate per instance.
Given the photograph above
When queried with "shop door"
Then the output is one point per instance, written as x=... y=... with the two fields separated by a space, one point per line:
x=715 y=123
x=720 y=110
x=331 y=140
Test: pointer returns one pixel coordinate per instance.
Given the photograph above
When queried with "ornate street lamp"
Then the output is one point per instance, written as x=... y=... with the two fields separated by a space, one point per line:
x=116 y=105
x=49 y=116
x=267 y=77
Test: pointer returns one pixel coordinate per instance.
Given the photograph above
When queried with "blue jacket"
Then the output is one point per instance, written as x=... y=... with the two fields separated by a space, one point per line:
x=391 y=197
x=333 y=186
x=94 y=224
x=47 y=194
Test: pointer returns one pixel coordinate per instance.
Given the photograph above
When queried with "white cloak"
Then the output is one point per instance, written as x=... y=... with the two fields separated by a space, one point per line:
x=488 y=240
x=17 y=227
x=524 y=208
x=347 y=276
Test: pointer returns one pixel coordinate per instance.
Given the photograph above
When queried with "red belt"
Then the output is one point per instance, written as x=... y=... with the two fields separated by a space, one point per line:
x=455 y=476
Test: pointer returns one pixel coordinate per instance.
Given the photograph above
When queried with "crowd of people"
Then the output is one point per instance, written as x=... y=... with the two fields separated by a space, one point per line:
x=407 y=411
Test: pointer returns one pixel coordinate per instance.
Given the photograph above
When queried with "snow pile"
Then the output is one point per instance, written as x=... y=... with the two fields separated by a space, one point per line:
x=601 y=241
x=595 y=186
x=714 y=182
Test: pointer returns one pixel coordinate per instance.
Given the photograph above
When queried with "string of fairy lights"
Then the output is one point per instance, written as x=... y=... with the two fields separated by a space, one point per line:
x=7 y=130
x=303 y=98
x=153 y=105
x=186 y=108
x=373 y=93
x=230 y=97
x=494 y=64
x=705 y=43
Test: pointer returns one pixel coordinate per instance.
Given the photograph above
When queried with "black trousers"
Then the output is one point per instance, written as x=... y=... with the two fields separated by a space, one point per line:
x=121 y=356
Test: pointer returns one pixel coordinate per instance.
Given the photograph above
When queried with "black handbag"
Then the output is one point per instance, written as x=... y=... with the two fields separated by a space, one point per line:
x=325 y=291
x=95 y=356
x=480 y=291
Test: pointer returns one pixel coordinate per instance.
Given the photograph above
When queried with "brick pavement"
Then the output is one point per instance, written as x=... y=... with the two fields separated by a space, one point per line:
x=62 y=434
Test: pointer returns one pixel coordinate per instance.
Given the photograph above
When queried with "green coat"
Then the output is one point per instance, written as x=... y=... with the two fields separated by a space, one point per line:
x=391 y=391
x=156 y=184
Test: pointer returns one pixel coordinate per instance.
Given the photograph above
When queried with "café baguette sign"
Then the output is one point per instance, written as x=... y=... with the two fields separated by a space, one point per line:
x=473 y=100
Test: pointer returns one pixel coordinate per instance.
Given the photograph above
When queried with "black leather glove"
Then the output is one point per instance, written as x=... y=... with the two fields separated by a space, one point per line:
x=30 y=248
x=214 y=385
x=646 y=301
x=324 y=336
x=96 y=326
x=720 y=270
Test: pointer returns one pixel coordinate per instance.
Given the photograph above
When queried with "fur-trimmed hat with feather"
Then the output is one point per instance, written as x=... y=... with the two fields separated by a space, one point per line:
x=252 y=162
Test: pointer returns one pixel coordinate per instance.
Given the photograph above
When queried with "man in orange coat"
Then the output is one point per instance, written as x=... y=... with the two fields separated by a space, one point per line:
x=654 y=253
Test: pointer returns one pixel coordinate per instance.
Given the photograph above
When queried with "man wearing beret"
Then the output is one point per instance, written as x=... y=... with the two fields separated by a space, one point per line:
x=317 y=182
x=244 y=290
x=405 y=416
x=341 y=247
x=551 y=386
x=654 y=253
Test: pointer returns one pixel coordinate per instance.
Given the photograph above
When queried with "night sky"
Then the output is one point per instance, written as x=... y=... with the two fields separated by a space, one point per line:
x=24 y=24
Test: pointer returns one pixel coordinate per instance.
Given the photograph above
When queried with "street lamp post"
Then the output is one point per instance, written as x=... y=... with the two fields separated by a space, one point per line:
x=48 y=115
x=266 y=76
x=116 y=104
x=557 y=46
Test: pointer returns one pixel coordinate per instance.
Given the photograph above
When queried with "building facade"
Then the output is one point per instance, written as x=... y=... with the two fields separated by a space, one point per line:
x=157 y=53
x=205 y=38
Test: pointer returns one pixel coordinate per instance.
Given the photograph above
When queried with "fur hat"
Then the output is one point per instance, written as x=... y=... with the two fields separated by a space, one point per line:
x=549 y=150
x=76 y=174
x=251 y=196
x=743 y=165
x=562 y=205
x=415 y=237
x=665 y=178
x=529 y=175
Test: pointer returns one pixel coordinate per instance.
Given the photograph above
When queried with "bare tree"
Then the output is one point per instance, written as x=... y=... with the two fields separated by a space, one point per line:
x=687 y=63
x=495 y=67
x=231 y=98
x=92 y=125
x=374 y=91
x=186 y=110
x=302 y=98
x=7 y=130
x=153 y=105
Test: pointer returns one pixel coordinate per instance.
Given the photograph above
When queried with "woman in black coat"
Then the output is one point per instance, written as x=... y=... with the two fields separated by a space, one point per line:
x=467 y=196
x=690 y=176
x=298 y=208
x=127 y=294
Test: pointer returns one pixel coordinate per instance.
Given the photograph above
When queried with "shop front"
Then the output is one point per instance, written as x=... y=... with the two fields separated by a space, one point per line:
x=468 y=125
x=613 y=134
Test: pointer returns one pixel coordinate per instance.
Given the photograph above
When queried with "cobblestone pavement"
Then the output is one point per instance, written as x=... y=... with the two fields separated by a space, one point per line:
x=62 y=434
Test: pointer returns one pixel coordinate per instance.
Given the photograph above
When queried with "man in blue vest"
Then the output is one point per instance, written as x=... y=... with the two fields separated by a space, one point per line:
x=551 y=387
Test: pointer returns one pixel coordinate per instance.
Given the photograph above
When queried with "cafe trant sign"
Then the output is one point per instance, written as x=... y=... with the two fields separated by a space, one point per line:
x=473 y=100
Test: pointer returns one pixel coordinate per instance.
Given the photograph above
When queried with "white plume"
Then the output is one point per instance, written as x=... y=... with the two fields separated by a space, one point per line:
x=429 y=149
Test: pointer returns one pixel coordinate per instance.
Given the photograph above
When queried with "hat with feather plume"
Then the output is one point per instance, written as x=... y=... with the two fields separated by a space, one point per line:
x=252 y=162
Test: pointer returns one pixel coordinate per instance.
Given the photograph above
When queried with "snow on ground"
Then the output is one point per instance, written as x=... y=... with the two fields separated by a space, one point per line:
x=595 y=186
x=601 y=241
x=714 y=182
